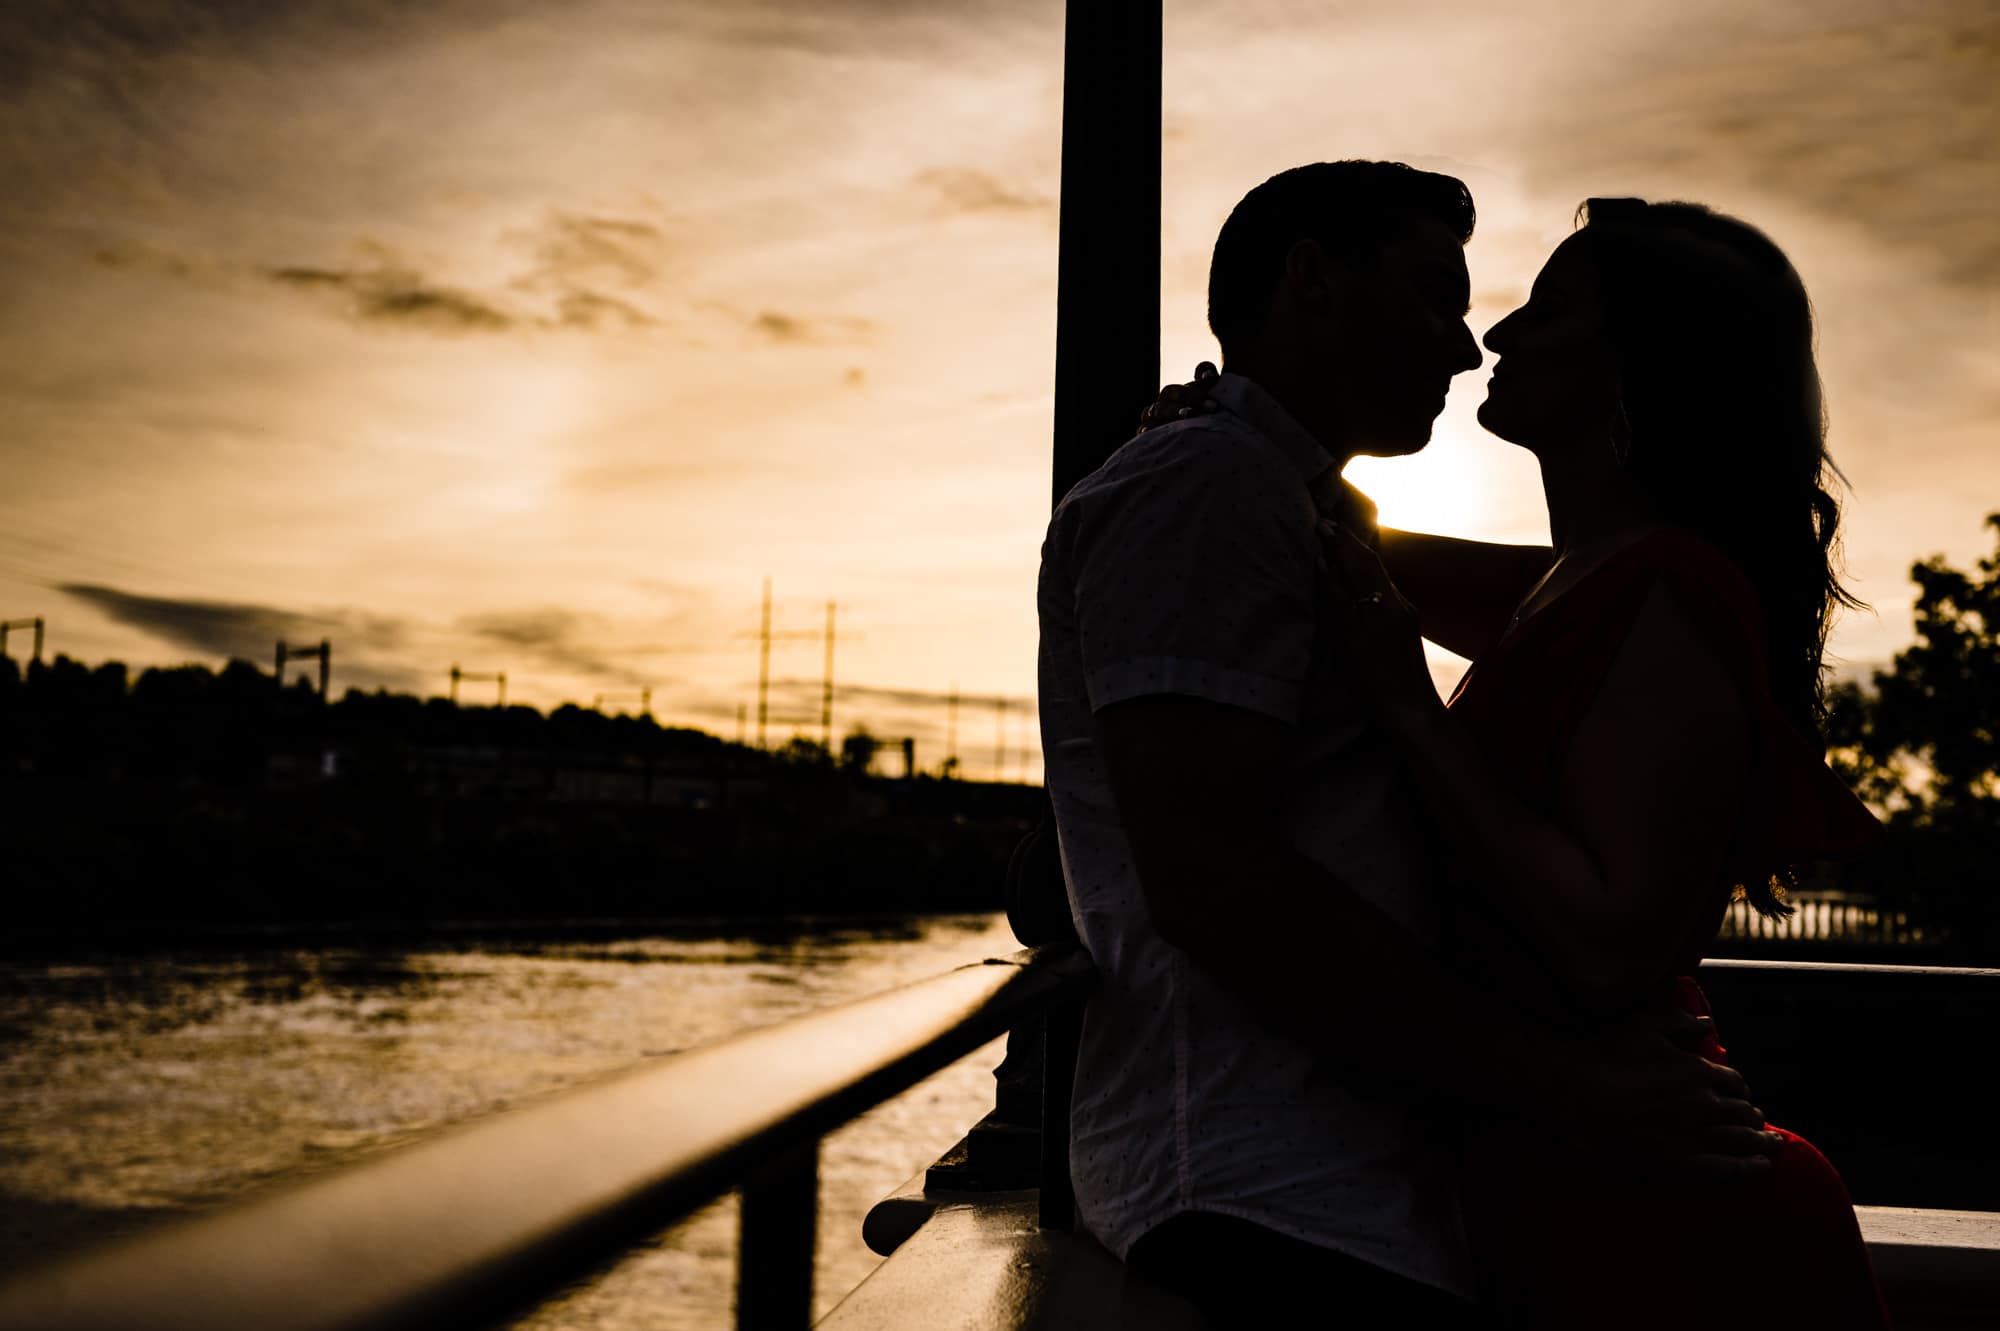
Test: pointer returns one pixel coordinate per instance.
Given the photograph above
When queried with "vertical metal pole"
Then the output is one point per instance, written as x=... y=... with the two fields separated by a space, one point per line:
x=774 y=1262
x=1108 y=266
x=38 y=640
x=1107 y=370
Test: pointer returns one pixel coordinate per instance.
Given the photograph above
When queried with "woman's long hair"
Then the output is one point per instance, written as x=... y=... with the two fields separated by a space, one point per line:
x=1723 y=429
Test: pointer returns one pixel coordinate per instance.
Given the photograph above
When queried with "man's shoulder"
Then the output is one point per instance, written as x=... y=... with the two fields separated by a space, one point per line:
x=1197 y=454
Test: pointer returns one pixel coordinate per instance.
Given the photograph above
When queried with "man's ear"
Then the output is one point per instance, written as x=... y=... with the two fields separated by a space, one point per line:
x=1315 y=279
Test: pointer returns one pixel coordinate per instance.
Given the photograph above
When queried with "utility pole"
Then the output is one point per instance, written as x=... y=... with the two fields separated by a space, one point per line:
x=1000 y=740
x=497 y=677
x=951 y=733
x=826 y=689
x=35 y=623
x=325 y=654
x=765 y=637
x=764 y=665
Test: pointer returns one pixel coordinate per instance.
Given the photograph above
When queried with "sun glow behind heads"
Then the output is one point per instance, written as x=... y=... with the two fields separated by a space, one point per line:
x=1466 y=483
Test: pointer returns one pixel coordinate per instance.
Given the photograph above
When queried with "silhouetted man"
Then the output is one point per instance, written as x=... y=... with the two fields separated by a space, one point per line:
x=1272 y=1050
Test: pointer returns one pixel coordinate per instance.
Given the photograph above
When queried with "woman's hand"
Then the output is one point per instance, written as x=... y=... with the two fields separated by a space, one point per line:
x=1177 y=402
x=1378 y=630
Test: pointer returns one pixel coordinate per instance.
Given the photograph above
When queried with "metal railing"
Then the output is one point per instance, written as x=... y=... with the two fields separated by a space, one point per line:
x=488 y=1219
x=1829 y=920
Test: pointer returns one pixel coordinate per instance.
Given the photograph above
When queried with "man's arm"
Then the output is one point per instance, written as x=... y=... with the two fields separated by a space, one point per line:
x=1197 y=787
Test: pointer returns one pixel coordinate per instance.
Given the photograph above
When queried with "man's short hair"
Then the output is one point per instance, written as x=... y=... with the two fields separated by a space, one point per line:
x=1353 y=209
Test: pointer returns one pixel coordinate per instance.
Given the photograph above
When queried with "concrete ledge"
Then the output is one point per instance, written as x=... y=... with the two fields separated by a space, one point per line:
x=1937 y=1268
x=980 y=1264
x=977 y=1260
x=903 y=1212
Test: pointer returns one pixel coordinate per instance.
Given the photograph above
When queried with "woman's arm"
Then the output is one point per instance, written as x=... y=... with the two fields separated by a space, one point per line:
x=1614 y=882
x=1464 y=591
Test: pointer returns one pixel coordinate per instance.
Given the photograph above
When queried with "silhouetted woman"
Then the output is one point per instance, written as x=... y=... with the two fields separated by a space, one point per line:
x=1638 y=739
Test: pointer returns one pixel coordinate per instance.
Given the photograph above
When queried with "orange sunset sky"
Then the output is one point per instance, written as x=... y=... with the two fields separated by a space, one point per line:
x=533 y=337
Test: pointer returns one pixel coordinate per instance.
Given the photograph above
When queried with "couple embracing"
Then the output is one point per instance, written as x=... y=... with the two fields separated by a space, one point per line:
x=1395 y=1024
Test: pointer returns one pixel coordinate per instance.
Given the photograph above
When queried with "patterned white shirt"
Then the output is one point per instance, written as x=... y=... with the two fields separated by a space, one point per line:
x=1188 y=564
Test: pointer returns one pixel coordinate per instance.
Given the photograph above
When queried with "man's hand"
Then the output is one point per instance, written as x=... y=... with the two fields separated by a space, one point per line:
x=1638 y=1098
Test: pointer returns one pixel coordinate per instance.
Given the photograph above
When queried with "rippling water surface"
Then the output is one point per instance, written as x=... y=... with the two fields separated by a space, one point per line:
x=133 y=1087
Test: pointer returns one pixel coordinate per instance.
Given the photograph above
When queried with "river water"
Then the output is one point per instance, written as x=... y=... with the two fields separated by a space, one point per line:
x=136 y=1087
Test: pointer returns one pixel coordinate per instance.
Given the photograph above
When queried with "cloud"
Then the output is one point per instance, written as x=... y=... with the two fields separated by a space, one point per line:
x=243 y=629
x=566 y=640
x=391 y=291
x=140 y=257
x=216 y=628
x=45 y=38
x=780 y=327
x=1887 y=122
x=398 y=296
x=576 y=258
x=588 y=310
x=968 y=189
x=574 y=251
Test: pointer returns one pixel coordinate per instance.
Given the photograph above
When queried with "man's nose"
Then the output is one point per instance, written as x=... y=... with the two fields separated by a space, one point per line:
x=1464 y=350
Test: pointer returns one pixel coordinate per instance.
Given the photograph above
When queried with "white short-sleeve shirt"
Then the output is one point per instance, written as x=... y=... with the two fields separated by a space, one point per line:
x=1188 y=564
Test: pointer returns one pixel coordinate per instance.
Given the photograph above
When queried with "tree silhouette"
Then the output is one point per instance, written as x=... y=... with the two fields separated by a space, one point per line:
x=1922 y=744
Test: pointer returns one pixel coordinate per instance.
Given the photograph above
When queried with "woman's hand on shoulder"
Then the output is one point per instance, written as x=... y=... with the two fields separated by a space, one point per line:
x=1178 y=402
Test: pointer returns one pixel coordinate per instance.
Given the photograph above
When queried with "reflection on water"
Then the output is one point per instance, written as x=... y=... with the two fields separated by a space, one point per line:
x=132 y=1087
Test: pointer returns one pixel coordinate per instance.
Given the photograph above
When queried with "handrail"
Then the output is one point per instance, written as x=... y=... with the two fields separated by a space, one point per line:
x=488 y=1218
x=1779 y=966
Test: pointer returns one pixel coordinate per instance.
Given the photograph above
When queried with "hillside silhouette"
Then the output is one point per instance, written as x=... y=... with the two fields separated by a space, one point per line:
x=191 y=797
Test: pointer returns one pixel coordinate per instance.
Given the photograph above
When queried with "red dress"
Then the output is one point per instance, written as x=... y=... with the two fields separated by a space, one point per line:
x=1558 y=1243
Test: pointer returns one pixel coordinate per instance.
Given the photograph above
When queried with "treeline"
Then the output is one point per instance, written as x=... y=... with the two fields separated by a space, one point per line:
x=192 y=797
x=1921 y=742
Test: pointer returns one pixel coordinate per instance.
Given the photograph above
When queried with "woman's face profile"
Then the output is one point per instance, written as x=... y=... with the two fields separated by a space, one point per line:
x=1555 y=380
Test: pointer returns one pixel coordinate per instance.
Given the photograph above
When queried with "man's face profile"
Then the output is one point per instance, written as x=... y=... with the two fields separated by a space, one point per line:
x=1398 y=337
